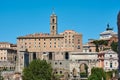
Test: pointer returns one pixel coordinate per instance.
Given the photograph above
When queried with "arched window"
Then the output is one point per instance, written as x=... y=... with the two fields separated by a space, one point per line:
x=53 y=20
x=53 y=27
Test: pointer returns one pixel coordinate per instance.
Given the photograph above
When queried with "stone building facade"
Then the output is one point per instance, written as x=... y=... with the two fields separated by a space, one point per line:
x=8 y=56
x=53 y=47
x=82 y=62
x=108 y=60
x=108 y=35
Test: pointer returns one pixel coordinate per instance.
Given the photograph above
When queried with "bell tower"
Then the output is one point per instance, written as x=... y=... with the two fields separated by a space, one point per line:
x=53 y=24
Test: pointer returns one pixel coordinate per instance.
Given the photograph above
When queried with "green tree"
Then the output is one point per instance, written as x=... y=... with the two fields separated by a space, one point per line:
x=1 y=77
x=97 y=73
x=114 y=46
x=38 y=70
x=98 y=43
x=93 y=77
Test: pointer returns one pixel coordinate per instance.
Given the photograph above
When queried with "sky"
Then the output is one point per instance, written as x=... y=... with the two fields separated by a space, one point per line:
x=88 y=17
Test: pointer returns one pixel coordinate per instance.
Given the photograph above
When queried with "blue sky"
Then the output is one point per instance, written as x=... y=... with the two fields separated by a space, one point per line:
x=89 y=17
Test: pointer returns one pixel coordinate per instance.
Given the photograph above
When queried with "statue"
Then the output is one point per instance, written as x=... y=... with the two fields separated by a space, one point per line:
x=108 y=27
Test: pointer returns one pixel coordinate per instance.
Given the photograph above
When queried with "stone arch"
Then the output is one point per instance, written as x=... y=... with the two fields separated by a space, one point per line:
x=66 y=75
x=74 y=72
x=83 y=68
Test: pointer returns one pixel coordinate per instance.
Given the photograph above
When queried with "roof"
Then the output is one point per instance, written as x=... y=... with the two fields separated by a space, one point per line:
x=8 y=43
x=5 y=43
x=108 y=32
x=8 y=49
x=40 y=35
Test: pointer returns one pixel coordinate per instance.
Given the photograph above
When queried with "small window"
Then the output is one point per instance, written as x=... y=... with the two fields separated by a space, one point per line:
x=60 y=72
x=53 y=27
x=55 y=63
x=111 y=65
x=89 y=50
x=78 y=46
x=66 y=55
x=60 y=63
x=110 y=55
x=53 y=20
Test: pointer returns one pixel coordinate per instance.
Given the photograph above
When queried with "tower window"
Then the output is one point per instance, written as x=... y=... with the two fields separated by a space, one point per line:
x=53 y=20
x=53 y=27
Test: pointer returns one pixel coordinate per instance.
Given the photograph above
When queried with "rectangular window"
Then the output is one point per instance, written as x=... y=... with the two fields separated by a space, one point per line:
x=78 y=46
x=111 y=65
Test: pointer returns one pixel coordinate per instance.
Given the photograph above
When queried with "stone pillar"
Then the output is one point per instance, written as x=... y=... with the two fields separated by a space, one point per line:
x=30 y=57
x=20 y=64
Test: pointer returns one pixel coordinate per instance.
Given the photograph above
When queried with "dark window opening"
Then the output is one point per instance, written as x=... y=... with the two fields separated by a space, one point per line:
x=15 y=58
x=50 y=55
x=53 y=20
x=90 y=50
x=60 y=72
x=34 y=55
x=66 y=55
x=55 y=63
x=26 y=59
x=60 y=63
x=53 y=27
x=78 y=46
x=111 y=65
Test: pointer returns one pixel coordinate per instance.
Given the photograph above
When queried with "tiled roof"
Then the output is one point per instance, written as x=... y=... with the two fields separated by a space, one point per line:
x=41 y=35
